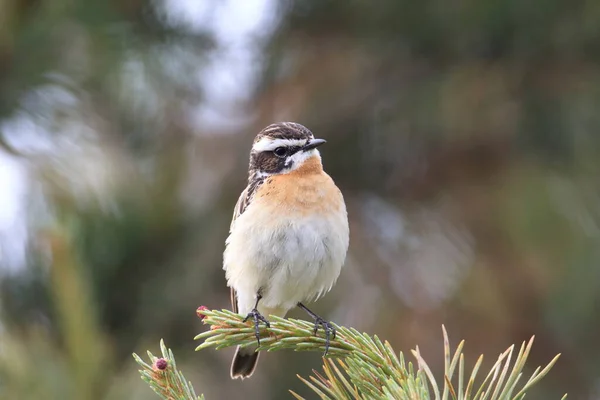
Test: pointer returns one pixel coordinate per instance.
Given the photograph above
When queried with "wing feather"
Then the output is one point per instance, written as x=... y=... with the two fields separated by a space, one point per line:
x=242 y=204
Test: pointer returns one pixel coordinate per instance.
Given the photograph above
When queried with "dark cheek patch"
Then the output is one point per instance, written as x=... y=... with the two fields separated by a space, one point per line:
x=267 y=162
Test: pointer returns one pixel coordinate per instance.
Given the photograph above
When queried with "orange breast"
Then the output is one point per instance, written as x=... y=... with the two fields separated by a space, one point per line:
x=307 y=189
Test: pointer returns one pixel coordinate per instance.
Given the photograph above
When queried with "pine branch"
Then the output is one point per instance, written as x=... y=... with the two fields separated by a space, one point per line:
x=368 y=359
x=357 y=365
x=164 y=378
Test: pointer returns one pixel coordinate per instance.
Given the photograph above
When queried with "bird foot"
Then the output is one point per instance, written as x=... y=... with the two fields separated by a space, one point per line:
x=329 y=330
x=257 y=318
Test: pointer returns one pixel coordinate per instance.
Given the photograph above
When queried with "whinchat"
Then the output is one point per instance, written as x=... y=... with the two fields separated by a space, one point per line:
x=289 y=234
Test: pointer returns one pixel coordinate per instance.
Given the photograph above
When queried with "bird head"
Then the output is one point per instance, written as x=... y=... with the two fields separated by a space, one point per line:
x=282 y=148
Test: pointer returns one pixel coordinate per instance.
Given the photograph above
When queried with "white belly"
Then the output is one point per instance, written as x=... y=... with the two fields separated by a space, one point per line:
x=296 y=259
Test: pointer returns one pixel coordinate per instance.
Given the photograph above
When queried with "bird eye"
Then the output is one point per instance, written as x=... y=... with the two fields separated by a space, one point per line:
x=280 y=151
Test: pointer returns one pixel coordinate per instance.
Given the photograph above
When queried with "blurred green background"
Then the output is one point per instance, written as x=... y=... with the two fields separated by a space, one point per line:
x=463 y=134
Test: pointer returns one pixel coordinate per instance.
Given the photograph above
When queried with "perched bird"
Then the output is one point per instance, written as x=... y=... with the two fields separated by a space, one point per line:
x=289 y=234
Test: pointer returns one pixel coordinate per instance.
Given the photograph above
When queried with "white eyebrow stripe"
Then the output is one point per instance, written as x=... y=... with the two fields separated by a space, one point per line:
x=269 y=144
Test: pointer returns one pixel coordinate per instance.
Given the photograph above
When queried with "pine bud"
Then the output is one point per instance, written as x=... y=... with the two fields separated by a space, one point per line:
x=200 y=312
x=161 y=364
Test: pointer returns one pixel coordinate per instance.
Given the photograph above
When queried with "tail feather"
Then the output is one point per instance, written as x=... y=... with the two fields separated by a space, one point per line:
x=244 y=363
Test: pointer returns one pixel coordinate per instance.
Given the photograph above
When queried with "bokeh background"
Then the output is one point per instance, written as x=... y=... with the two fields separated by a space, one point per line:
x=463 y=134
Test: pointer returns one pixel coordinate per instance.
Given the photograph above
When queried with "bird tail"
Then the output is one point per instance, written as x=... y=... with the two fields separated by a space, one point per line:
x=244 y=362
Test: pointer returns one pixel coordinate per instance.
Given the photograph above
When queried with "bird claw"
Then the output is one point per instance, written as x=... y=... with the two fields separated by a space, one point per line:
x=258 y=318
x=329 y=330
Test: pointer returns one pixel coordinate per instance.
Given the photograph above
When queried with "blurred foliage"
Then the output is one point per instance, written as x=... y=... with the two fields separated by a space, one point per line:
x=462 y=134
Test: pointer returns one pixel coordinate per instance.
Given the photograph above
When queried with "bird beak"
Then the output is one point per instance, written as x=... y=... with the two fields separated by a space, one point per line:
x=314 y=143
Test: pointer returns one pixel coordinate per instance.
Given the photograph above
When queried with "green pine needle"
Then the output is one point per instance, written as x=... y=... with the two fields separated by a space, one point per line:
x=357 y=366
x=163 y=377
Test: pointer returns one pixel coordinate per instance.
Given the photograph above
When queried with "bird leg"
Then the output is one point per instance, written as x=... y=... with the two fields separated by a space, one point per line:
x=320 y=322
x=258 y=318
